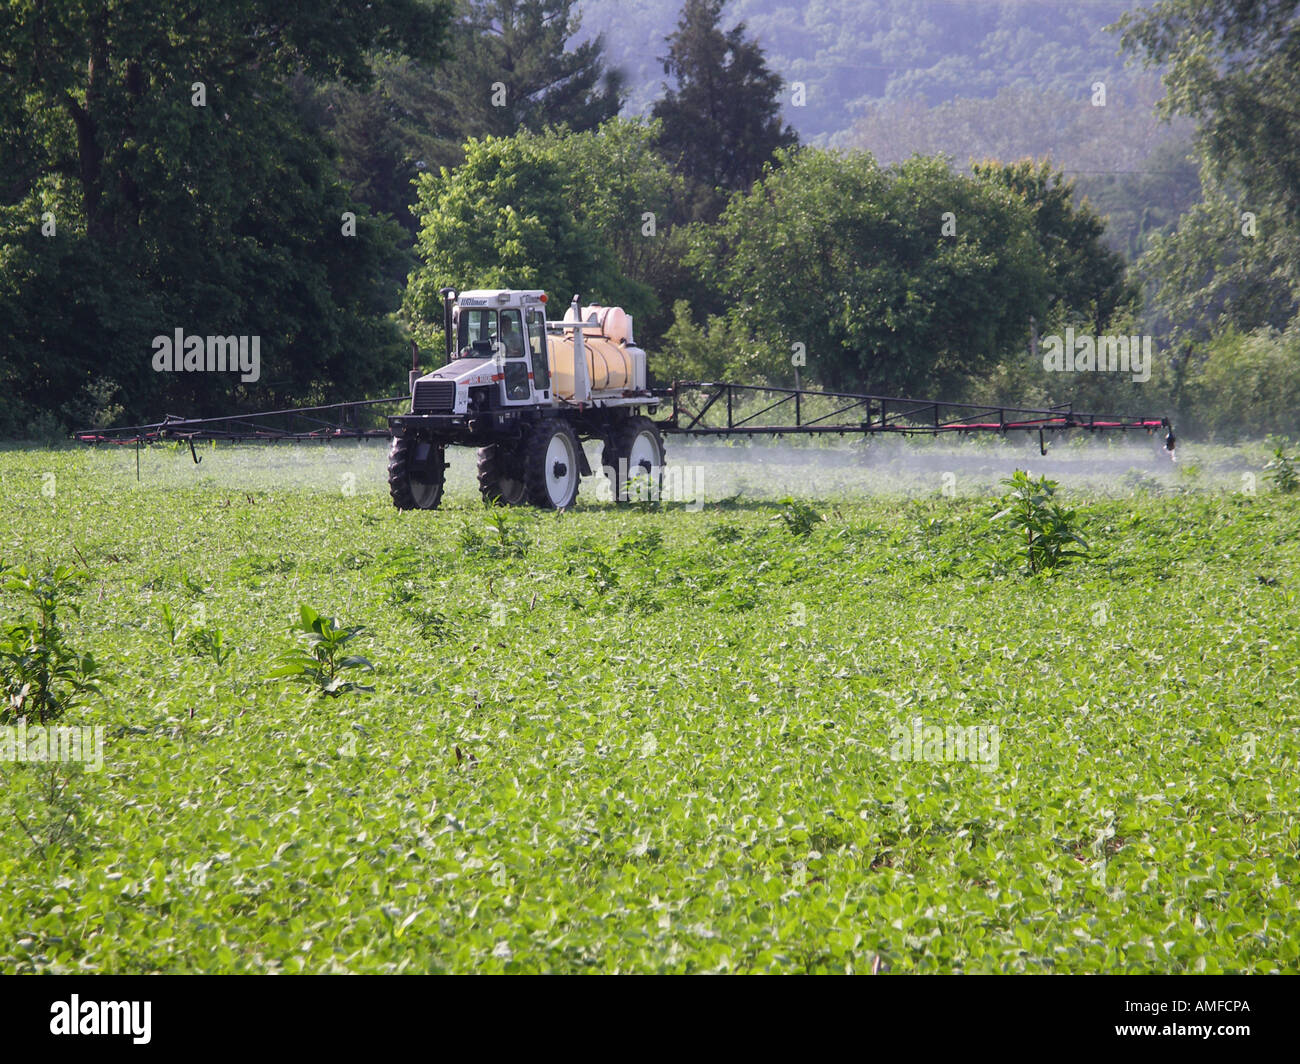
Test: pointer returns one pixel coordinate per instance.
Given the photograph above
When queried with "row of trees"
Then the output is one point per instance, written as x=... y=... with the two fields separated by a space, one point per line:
x=910 y=278
x=240 y=171
x=516 y=66
x=247 y=171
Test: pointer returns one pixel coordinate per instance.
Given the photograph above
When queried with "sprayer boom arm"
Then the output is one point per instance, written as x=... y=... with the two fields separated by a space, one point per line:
x=699 y=408
x=702 y=408
x=335 y=421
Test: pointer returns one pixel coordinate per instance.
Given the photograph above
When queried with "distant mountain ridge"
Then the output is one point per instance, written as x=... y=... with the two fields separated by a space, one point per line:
x=852 y=54
x=971 y=79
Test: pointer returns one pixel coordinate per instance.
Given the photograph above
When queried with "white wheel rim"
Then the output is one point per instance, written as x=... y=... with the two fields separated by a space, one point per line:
x=561 y=470
x=644 y=458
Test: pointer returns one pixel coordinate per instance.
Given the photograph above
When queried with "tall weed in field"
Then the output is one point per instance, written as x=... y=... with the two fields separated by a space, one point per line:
x=42 y=675
x=1281 y=468
x=322 y=661
x=1046 y=533
x=798 y=517
x=499 y=537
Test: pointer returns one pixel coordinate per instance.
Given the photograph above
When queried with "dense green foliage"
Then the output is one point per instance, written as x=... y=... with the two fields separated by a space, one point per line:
x=1223 y=284
x=1235 y=68
x=154 y=176
x=1233 y=261
x=274 y=210
x=563 y=212
x=656 y=740
x=493 y=223
x=514 y=65
x=1246 y=383
x=906 y=280
x=1087 y=282
x=1205 y=274
x=720 y=116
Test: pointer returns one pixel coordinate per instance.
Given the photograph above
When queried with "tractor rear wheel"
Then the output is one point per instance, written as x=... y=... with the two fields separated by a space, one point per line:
x=634 y=449
x=417 y=471
x=552 y=464
x=500 y=479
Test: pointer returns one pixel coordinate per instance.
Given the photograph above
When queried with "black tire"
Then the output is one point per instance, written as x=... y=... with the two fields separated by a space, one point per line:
x=637 y=436
x=552 y=464
x=500 y=479
x=417 y=472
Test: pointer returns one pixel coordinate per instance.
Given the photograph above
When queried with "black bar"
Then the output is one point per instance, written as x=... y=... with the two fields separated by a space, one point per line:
x=772 y=406
x=246 y=426
x=712 y=399
x=334 y=1017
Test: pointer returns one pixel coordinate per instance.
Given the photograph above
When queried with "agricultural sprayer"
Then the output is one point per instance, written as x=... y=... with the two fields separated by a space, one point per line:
x=526 y=392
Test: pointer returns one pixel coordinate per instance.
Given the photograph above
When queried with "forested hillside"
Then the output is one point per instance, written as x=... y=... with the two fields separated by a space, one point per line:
x=852 y=54
x=971 y=79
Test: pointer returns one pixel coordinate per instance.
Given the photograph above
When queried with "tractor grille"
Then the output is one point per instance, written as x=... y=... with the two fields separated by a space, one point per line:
x=434 y=397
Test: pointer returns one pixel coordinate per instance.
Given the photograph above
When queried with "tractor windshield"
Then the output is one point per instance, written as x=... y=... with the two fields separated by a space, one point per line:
x=477 y=333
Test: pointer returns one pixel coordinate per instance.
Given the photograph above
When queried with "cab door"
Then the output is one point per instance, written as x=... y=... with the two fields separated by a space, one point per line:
x=539 y=356
x=512 y=347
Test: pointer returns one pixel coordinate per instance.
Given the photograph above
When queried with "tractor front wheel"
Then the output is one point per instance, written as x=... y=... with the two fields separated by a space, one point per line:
x=552 y=464
x=417 y=471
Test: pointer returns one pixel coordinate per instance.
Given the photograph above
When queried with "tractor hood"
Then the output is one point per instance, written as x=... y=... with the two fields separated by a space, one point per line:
x=467 y=371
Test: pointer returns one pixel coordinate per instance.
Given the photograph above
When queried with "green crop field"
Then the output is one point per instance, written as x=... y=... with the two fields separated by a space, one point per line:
x=662 y=737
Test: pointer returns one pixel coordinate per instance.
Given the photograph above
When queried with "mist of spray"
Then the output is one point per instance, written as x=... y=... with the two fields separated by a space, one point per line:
x=759 y=468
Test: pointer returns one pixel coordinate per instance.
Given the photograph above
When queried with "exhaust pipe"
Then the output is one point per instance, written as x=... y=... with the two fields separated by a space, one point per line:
x=448 y=297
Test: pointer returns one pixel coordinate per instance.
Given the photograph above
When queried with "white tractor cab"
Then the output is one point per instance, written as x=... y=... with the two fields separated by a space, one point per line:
x=526 y=392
